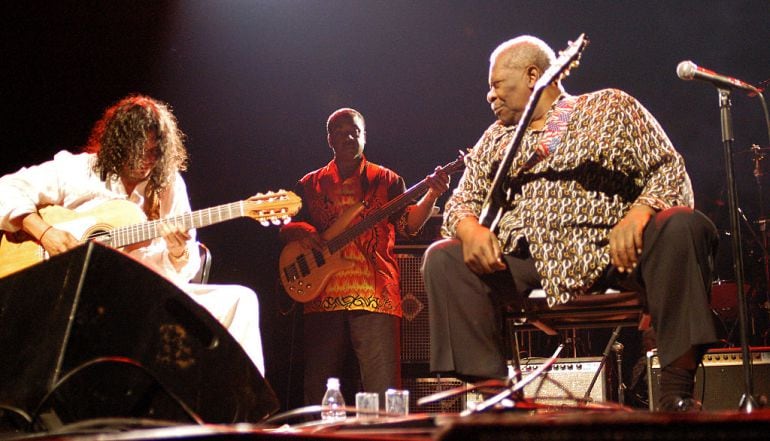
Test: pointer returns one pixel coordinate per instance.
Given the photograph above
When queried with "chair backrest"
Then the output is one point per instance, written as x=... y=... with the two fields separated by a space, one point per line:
x=202 y=276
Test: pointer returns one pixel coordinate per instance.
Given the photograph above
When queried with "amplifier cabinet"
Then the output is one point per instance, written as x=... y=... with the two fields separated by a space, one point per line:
x=567 y=381
x=424 y=386
x=719 y=381
x=415 y=329
x=415 y=340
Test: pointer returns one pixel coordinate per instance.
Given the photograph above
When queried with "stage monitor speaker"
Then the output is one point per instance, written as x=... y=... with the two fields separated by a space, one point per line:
x=421 y=387
x=567 y=381
x=415 y=330
x=92 y=333
x=719 y=381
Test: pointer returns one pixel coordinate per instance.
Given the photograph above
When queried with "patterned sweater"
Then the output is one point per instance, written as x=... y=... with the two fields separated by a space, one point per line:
x=572 y=182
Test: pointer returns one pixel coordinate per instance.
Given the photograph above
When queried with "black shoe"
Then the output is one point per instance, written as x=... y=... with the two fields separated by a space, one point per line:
x=680 y=404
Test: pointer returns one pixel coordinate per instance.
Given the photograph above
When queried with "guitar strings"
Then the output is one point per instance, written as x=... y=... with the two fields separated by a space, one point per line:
x=139 y=232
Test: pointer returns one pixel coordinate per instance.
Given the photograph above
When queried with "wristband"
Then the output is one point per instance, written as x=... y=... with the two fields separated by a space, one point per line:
x=40 y=240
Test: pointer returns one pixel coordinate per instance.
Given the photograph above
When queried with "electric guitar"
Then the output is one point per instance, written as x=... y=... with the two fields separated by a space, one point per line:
x=119 y=223
x=304 y=272
x=492 y=209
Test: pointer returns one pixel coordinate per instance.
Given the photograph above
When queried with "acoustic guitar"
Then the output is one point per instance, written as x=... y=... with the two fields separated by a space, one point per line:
x=119 y=223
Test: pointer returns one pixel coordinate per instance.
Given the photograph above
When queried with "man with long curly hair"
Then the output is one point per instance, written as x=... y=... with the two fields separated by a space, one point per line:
x=135 y=153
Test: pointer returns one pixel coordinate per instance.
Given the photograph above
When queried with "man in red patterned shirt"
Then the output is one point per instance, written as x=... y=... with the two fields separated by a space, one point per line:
x=359 y=307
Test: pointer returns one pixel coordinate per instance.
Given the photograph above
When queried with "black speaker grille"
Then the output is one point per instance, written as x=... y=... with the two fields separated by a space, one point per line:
x=117 y=339
x=719 y=380
x=415 y=331
x=422 y=387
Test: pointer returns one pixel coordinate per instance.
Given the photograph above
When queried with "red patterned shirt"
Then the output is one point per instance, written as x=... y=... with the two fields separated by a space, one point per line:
x=371 y=283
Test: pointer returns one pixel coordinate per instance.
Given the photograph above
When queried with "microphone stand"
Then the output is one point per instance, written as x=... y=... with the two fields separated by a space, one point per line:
x=758 y=158
x=617 y=348
x=747 y=403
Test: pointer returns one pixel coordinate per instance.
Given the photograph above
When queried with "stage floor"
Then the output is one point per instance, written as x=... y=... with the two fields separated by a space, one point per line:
x=516 y=425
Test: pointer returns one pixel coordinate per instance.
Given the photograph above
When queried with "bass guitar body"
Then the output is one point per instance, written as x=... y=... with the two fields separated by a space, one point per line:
x=306 y=271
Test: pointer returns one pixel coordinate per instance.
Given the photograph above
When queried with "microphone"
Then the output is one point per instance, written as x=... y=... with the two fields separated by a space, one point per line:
x=687 y=70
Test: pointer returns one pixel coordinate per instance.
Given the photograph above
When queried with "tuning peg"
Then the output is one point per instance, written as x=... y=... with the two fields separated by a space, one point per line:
x=264 y=222
x=286 y=219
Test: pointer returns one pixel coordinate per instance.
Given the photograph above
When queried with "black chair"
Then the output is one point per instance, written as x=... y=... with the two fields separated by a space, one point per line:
x=610 y=309
x=202 y=276
x=600 y=310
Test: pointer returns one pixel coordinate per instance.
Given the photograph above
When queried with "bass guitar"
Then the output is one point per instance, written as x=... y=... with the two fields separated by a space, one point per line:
x=304 y=272
x=120 y=223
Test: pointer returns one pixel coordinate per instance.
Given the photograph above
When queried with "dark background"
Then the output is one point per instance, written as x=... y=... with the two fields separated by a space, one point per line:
x=252 y=83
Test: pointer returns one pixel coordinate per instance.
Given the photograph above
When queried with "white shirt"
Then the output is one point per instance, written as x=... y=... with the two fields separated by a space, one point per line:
x=70 y=182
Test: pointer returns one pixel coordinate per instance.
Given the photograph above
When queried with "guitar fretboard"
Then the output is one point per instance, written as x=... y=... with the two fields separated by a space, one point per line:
x=131 y=234
x=388 y=209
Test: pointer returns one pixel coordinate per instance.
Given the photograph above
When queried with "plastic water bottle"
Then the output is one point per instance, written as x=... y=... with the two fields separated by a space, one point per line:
x=333 y=403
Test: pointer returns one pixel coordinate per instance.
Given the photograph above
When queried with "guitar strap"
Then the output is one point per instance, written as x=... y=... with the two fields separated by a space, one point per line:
x=151 y=202
x=365 y=179
x=554 y=131
x=556 y=126
x=368 y=177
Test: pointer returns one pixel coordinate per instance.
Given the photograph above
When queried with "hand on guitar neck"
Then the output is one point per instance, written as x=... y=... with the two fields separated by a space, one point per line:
x=301 y=232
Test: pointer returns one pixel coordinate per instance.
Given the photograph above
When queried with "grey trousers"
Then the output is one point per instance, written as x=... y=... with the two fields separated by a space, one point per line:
x=673 y=275
x=333 y=341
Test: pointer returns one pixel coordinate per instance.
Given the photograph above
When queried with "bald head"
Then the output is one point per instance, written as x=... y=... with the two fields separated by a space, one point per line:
x=515 y=67
x=523 y=51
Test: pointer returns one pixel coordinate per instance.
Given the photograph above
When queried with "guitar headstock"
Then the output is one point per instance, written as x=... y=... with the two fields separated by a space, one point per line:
x=456 y=165
x=568 y=59
x=273 y=207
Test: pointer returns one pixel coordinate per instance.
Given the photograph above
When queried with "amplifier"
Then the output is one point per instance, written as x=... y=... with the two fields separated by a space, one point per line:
x=567 y=381
x=424 y=386
x=415 y=329
x=719 y=381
